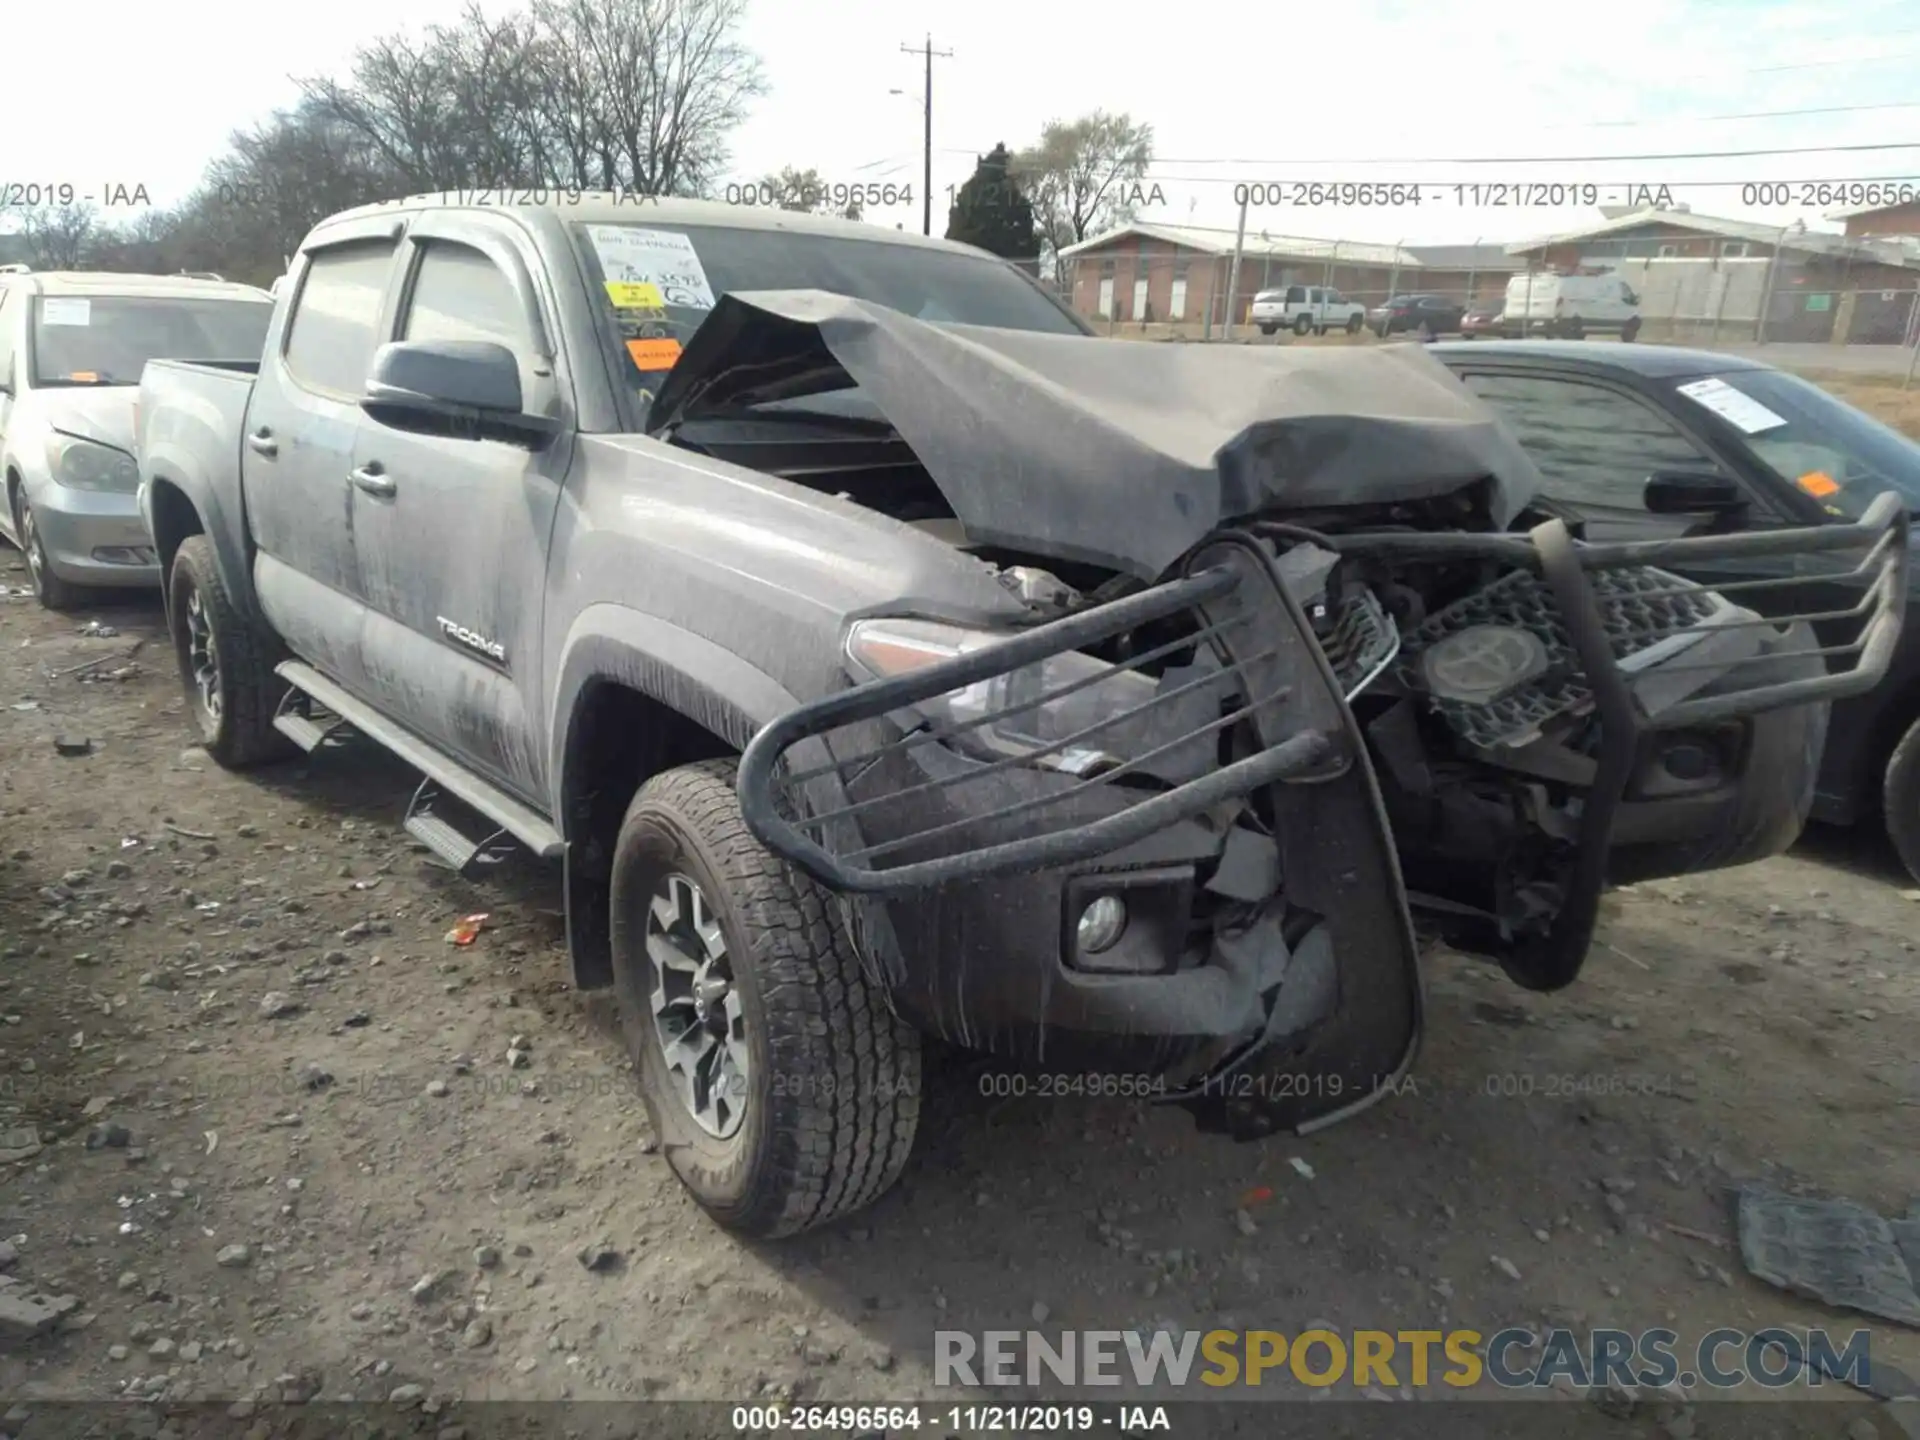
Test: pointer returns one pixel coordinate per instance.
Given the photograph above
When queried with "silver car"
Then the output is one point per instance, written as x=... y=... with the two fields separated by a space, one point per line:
x=72 y=346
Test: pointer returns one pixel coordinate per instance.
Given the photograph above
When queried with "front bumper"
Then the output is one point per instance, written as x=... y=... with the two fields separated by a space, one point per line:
x=1277 y=932
x=94 y=537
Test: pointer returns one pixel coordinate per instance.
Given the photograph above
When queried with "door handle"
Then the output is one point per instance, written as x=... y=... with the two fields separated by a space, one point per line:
x=261 y=442
x=374 y=480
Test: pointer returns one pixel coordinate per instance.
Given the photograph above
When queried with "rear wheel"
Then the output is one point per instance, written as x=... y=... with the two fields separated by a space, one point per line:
x=48 y=588
x=1900 y=798
x=1353 y=324
x=1631 y=329
x=226 y=668
x=1302 y=324
x=1268 y=329
x=783 y=1090
x=1576 y=329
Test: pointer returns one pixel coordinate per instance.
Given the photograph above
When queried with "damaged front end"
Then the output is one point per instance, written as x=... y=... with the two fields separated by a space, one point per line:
x=1167 y=832
x=1318 y=679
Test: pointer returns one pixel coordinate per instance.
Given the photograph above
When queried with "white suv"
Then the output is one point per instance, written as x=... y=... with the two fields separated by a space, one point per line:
x=1307 y=308
x=72 y=346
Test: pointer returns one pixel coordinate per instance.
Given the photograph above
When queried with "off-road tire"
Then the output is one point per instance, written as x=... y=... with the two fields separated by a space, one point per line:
x=1900 y=799
x=1354 y=323
x=1302 y=324
x=833 y=1095
x=48 y=588
x=242 y=734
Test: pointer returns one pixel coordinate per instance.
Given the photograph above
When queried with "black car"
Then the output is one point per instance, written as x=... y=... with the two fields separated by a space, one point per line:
x=1437 y=313
x=1650 y=442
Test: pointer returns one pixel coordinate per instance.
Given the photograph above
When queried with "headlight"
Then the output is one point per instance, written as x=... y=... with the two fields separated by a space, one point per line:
x=86 y=465
x=1005 y=716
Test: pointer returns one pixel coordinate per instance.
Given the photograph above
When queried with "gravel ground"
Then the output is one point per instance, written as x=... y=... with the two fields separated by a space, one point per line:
x=282 y=1151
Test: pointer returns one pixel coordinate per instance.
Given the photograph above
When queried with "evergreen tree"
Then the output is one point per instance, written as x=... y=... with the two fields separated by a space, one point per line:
x=992 y=211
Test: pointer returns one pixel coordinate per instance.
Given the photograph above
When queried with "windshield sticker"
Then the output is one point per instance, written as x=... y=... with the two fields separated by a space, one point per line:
x=1735 y=407
x=635 y=295
x=652 y=355
x=663 y=259
x=1818 y=484
x=65 y=310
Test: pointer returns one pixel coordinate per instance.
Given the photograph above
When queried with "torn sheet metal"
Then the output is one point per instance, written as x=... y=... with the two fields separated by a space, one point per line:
x=1835 y=1251
x=1116 y=453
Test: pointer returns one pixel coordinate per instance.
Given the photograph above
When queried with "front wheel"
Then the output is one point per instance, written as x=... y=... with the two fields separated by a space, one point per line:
x=782 y=1088
x=48 y=588
x=1900 y=796
x=225 y=668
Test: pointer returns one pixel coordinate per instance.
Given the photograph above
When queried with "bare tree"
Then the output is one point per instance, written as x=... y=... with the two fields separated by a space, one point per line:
x=59 y=237
x=1083 y=176
x=646 y=93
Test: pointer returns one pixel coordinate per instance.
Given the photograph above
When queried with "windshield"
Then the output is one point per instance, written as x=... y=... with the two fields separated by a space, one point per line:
x=1843 y=458
x=662 y=281
x=108 y=339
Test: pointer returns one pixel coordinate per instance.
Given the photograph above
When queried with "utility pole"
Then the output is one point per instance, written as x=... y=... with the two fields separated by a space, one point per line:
x=926 y=199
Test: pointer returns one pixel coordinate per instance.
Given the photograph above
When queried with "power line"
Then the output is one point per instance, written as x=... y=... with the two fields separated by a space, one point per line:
x=1744 y=115
x=1531 y=159
x=1433 y=184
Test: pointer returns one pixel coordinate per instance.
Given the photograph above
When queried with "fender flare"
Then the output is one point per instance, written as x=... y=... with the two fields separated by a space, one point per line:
x=224 y=533
x=687 y=673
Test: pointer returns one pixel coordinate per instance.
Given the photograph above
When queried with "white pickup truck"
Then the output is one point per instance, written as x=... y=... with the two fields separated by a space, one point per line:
x=1307 y=308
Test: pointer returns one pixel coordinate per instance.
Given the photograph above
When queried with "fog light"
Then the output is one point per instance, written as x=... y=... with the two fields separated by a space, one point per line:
x=1101 y=925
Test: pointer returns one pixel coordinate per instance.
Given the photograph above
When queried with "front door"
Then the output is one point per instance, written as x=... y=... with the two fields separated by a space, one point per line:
x=452 y=533
x=301 y=426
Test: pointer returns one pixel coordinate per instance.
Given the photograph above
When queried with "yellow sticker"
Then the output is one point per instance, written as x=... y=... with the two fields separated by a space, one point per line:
x=1818 y=484
x=654 y=354
x=635 y=295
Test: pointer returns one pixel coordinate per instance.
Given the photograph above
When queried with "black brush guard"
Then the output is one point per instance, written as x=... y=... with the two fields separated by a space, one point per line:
x=781 y=803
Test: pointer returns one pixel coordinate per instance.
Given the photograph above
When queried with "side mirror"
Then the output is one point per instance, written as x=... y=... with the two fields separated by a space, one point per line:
x=1684 y=492
x=462 y=389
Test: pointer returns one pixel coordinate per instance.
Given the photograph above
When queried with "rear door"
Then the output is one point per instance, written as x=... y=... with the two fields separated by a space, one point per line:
x=452 y=534
x=303 y=420
x=12 y=307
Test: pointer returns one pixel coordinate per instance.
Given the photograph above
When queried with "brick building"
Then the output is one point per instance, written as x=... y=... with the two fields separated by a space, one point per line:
x=1781 y=282
x=1179 y=273
x=1881 y=220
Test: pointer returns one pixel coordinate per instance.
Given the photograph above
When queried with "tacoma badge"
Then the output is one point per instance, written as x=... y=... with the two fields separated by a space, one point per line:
x=472 y=640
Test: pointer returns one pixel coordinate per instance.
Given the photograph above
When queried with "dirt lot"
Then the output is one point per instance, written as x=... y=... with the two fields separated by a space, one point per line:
x=282 y=1151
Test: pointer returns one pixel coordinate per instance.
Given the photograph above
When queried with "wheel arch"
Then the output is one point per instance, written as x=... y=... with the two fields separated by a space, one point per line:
x=636 y=695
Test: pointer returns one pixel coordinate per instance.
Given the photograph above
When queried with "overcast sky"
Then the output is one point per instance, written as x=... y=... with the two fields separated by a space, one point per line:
x=1360 y=91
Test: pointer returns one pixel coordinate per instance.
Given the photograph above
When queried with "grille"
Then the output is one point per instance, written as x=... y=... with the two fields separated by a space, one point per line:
x=1361 y=642
x=1646 y=613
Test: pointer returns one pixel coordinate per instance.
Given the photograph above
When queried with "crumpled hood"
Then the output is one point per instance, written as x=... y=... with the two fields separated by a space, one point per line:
x=101 y=413
x=1122 y=454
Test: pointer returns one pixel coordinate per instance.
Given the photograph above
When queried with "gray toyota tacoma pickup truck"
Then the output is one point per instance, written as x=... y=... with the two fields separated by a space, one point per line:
x=885 y=657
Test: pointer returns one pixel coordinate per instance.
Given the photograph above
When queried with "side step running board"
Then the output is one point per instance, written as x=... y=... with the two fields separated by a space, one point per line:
x=437 y=831
x=301 y=723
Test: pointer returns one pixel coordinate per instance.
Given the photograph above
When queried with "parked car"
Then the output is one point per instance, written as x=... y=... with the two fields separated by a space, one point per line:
x=1306 y=309
x=1648 y=444
x=680 y=543
x=1572 y=306
x=1428 y=314
x=1484 y=317
x=71 y=349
